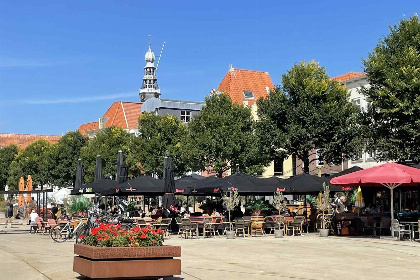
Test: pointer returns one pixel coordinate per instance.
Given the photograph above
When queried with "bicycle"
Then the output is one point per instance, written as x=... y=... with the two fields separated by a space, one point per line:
x=63 y=232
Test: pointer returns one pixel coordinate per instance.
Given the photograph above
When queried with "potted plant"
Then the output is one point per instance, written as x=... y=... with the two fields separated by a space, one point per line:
x=230 y=202
x=79 y=205
x=110 y=251
x=323 y=206
x=257 y=206
x=280 y=205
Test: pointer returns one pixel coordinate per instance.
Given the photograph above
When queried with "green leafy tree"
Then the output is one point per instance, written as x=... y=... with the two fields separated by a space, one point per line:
x=222 y=136
x=160 y=136
x=107 y=143
x=393 y=71
x=34 y=160
x=64 y=157
x=310 y=111
x=7 y=155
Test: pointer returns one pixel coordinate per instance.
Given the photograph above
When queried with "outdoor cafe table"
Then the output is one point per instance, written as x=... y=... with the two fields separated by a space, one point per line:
x=412 y=226
x=199 y=220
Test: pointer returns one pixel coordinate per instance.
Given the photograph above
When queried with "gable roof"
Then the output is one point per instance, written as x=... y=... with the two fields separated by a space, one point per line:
x=123 y=114
x=120 y=113
x=348 y=76
x=23 y=140
x=88 y=126
x=236 y=81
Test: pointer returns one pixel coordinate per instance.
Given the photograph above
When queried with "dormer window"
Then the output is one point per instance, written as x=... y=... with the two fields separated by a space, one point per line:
x=249 y=94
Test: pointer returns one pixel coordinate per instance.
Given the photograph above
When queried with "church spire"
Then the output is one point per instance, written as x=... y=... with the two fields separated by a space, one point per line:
x=149 y=88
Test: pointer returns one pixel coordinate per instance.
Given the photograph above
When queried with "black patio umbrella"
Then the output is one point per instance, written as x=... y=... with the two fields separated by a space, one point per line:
x=200 y=187
x=98 y=168
x=346 y=171
x=121 y=168
x=78 y=183
x=305 y=184
x=100 y=186
x=185 y=184
x=246 y=185
x=144 y=185
x=169 y=183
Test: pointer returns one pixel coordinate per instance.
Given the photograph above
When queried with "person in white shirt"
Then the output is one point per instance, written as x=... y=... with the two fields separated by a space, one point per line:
x=33 y=216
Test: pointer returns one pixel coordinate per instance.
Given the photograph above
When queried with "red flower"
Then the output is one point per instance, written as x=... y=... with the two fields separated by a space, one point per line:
x=143 y=236
x=106 y=237
x=81 y=236
x=154 y=241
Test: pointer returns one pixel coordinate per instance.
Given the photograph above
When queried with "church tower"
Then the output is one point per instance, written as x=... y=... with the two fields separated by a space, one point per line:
x=149 y=88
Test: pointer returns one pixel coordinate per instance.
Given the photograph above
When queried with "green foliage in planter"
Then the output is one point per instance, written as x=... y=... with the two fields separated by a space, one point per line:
x=79 y=204
x=257 y=205
x=114 y=236
x=312 y=200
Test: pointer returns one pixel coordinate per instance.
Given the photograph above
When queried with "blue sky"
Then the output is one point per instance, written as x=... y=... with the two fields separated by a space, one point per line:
x=63 y=63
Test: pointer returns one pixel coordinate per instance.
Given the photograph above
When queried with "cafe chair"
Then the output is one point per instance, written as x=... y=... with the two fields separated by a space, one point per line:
x=188 y=229
x=297 y=225
x=240 y=227
x=399 y=229
x=257 y=225
x=270 y=224
x=209 y=227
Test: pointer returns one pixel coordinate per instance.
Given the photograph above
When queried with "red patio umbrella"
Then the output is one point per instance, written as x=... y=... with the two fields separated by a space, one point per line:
x=390 y=175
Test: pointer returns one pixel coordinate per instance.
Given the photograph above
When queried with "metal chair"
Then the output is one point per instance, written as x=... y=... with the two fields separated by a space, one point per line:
x=400 y=229
x=188 y=228
x=270 y=224
x=209 y=227
x=240 y=227
x=297 y=225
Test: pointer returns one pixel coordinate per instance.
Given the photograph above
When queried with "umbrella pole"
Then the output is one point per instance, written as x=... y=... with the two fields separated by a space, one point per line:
x=188 y=211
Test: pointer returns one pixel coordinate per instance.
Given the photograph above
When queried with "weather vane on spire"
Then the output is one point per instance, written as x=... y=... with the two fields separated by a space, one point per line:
x=150 y=40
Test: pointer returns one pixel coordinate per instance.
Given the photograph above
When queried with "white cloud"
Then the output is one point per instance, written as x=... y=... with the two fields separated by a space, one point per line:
x=80 y=99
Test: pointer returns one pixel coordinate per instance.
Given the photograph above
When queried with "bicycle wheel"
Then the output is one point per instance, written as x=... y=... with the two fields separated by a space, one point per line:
x=59 y=233
x=82 y=231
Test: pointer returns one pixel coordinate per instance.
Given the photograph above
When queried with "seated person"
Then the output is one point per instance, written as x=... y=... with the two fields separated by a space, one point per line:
x=341 y=207
x=33 y=217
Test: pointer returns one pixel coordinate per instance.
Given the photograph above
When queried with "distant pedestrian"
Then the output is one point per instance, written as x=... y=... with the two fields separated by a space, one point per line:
x=54 y=211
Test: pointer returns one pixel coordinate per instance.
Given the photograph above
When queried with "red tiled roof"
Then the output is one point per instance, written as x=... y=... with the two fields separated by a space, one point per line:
x=348 y=76
x=238 y=80
x=23 y=140
x=88 y=126
x=123 y=114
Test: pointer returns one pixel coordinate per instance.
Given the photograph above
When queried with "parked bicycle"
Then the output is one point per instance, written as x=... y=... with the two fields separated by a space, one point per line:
x=77 y=228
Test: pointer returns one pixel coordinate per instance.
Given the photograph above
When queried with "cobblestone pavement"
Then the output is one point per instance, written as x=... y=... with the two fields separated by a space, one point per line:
x=33 y=256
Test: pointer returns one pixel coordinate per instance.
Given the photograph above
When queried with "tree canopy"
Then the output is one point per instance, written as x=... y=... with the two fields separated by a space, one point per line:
x=7 y=155
x=222 y=136
x=160 y=136
x=393 y=71
x=64 y=157
x=34 y=160
x=310 y=111
x=107 y=143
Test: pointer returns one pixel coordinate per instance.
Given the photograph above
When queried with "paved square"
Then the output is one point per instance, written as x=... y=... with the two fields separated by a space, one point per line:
x=24 y=256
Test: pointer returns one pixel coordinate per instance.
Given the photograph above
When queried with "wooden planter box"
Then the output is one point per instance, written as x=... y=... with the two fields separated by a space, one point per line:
x=119 y=262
